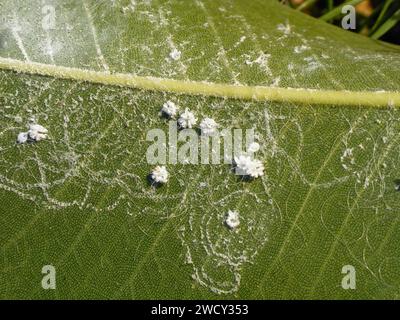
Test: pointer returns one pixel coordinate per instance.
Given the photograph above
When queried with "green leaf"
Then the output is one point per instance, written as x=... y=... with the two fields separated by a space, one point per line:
x=322 y=101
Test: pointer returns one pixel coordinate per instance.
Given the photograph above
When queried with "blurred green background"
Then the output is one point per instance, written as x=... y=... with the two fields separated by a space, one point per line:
x=378 y=19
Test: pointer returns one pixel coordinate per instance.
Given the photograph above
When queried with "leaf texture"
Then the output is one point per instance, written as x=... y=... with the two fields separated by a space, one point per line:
x=97 y=78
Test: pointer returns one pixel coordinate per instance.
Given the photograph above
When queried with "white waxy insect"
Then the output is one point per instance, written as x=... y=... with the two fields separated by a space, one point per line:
x=208 y=127
x=22 y=137
x=246 y=166
x=175 y=54
x=256 y=169
x=160 y=174
x=37 y=132
x=232 y=219
x=187 y=119
x=169 y=109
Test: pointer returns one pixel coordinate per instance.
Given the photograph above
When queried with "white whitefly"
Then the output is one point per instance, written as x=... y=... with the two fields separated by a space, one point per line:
x=175 y=54
x=232 y=219
x=22 y=137
x=247 y=166
x=187 y=119
x=170 y=109
x=242 y=163
x=37 y=132
x=208 y=127
x=255 y=169
x=160 y=174
x=253 y=147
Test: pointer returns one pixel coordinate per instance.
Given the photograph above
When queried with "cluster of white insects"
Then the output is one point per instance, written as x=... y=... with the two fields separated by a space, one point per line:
x=245 y=164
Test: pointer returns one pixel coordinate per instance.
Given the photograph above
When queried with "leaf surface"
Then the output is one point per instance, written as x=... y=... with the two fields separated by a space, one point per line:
x=321 y=100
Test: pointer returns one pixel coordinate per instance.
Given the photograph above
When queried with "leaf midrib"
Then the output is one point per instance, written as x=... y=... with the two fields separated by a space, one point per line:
x=374 y=99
